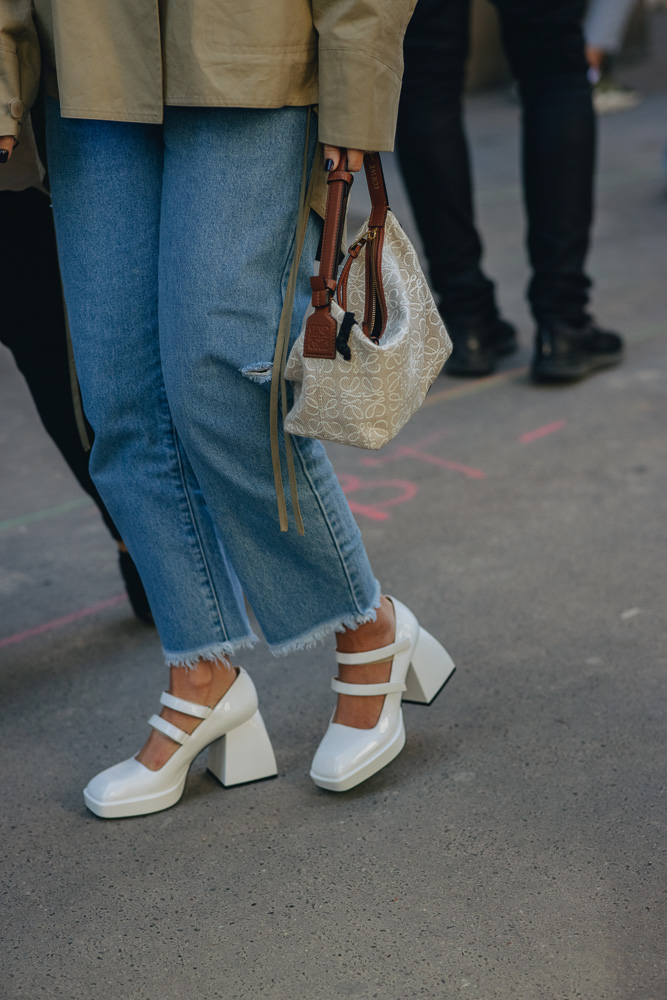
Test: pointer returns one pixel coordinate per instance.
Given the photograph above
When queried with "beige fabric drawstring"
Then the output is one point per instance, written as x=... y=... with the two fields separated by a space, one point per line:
x=278 y=381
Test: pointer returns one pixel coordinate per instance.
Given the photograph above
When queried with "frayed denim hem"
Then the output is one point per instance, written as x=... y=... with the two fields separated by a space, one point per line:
x=310 y=639
x=216 y=651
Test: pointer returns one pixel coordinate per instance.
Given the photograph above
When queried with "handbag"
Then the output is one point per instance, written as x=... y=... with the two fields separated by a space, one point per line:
x=374 y=341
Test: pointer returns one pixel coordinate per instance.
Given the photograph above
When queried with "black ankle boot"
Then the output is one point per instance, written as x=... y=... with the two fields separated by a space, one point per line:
x=477 y=348
x=135 y=588
x=565 y=353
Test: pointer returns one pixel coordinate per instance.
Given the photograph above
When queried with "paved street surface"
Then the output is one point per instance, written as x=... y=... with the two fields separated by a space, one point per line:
x=516 y=848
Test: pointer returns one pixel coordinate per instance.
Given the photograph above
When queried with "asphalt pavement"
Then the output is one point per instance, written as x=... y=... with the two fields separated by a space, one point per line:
x=516 y=848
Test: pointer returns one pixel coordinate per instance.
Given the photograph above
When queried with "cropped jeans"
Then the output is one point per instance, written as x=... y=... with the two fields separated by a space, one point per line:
x=175 y=244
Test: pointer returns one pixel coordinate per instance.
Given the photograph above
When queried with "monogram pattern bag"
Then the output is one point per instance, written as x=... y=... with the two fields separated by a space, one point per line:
x=374 y=341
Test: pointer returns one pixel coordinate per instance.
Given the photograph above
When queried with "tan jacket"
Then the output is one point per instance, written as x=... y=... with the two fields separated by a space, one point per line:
x=123 y=60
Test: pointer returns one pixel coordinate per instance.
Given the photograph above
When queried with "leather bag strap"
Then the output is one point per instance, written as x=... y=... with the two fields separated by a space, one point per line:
x=377 y=190
x=320 y=335
x=321 y=329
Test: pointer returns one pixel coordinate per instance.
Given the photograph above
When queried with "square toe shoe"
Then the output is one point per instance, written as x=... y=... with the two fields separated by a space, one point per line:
x=239 y=751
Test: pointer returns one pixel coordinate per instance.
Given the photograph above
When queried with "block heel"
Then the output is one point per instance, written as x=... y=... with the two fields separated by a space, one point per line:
x=430 y=669
x=132 y=789
x=243 y=755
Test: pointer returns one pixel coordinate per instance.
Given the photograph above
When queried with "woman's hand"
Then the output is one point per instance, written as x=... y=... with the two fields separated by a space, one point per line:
x=7 y=143
x=355 y=158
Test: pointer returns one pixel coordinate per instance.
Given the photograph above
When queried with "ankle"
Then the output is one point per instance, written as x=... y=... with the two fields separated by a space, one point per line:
x=199 y=680
x=372 y=635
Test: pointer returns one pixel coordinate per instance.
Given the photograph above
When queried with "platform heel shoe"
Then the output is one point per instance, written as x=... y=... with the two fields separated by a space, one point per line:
x=421 y=667
x=240 y=751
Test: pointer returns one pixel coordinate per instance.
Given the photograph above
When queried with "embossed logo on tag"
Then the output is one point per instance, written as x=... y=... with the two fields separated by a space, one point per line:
x=320 y=342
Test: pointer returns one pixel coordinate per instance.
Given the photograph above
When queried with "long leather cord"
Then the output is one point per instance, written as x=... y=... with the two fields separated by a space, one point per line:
x=278 y=382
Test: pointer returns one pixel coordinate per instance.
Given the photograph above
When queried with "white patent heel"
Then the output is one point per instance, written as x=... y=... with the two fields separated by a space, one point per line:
x=420 y=668
x=430 y=669
x=233 y=729
x=245 y=754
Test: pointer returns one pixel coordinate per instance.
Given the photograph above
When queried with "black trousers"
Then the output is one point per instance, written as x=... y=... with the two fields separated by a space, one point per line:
x=545 y=47
x=33 y=326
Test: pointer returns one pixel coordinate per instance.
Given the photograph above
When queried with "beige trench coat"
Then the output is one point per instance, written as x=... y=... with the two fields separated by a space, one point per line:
x=123 y=60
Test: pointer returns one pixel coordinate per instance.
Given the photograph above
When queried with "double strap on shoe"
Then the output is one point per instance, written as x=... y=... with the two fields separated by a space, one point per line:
x=178 y=705
x=371 y=656
x=391 y=687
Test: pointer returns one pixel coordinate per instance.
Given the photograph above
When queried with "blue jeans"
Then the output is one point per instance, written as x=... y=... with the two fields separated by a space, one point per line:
x=175 y=245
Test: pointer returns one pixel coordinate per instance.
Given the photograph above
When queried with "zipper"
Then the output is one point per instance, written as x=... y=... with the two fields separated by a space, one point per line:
x=376 y=312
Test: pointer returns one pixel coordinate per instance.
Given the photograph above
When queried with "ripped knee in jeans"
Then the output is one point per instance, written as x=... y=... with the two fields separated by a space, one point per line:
x=260 y=373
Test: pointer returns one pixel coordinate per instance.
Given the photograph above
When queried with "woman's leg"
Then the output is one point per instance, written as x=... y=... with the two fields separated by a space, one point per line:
x=229 y=210
x=224 y=262
x=107 y=186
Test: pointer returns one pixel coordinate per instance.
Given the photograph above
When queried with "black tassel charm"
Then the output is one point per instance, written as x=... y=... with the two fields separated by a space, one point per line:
x=343 y=337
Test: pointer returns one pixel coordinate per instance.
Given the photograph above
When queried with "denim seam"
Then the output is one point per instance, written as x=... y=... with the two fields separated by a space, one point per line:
x=288 y=264
x=197 y=535
x=329 y=525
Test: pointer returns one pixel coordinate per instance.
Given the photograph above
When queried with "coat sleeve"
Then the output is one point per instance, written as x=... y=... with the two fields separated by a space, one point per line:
x=360 y=69
x=19 y=64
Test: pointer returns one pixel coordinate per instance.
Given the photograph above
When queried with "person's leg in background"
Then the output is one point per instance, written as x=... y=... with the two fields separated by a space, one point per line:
x=544 y=43
x=34 y=331
x=604 y=29
x=435 y=164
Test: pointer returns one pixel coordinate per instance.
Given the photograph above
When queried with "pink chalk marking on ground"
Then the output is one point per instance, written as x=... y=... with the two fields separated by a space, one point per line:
x=541 y=432
x=444 y=463
x=75 y=616
x=376 y=511
x=416 y=451
x=396 y=451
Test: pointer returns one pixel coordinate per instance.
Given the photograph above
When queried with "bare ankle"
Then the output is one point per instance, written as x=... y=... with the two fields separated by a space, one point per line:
x=363 y=711
x=205 y=684
x=371 y=635
x=204 y=676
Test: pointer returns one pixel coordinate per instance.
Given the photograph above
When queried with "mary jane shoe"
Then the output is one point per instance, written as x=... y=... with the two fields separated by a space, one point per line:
x=239 y=751
x=421 y=667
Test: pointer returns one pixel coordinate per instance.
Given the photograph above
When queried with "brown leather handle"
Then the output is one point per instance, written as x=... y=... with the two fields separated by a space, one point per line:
x=320 y=335
x=321 y=330
x=377 y=190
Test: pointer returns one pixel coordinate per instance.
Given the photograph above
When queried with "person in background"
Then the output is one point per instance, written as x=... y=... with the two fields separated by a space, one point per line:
x=545 y=47
x=34 y=327
x=604 y=29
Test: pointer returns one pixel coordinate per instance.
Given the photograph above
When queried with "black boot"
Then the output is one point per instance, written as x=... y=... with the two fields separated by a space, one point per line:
x=565 y=353
x=135 y=588
x=477 y=348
